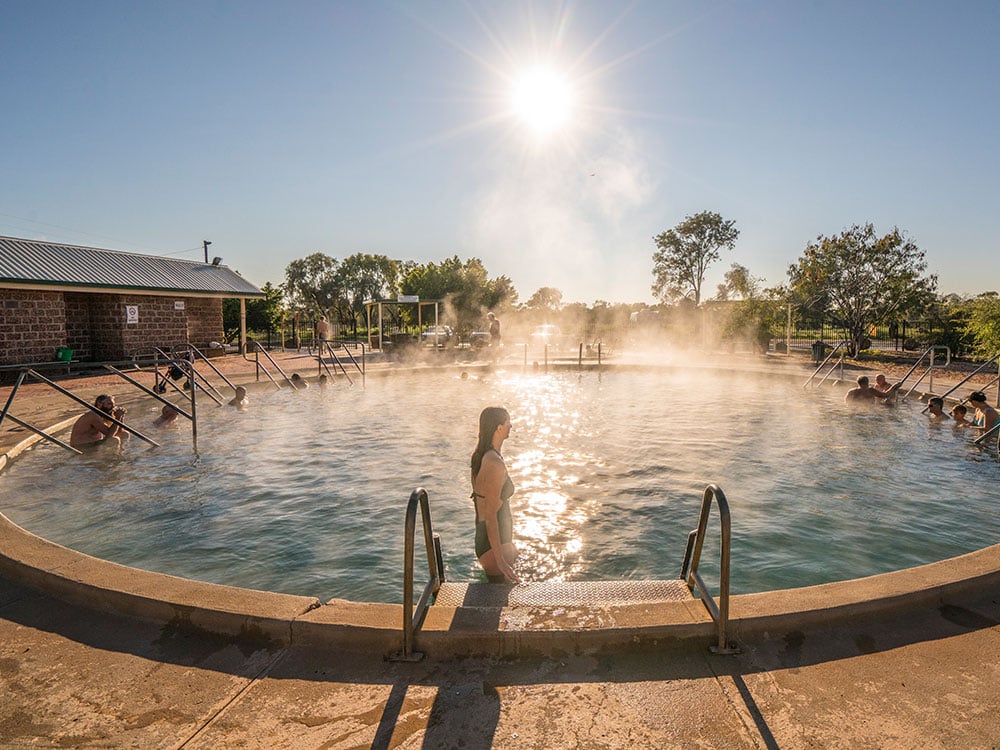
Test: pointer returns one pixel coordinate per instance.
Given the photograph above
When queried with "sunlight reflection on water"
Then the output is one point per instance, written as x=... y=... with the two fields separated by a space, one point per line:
x=304 y=493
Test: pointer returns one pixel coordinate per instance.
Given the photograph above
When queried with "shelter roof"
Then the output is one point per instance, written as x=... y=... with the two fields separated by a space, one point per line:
x=38 y=264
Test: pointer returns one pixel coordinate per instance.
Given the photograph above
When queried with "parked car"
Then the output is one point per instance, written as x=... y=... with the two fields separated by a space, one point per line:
x=437 y=336
x=546 y=335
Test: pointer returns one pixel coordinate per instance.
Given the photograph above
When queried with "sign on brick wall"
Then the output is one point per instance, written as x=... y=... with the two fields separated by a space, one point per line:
x=131 y=314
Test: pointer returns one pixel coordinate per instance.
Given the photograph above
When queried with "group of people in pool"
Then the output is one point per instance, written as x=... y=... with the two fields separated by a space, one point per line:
x=103 y=427
x=985 y=417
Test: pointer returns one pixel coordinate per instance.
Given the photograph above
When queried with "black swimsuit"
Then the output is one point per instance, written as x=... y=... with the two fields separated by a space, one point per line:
x=504 y=520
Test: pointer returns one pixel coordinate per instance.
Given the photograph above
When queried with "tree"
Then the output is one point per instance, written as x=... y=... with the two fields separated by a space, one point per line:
x=738 y=282
x=861 y=279
x=362 y=277
x=686 y=251
x=465 y=287
x=547 y=298
x=311 y=283
x=983 y=325
x=262 y=314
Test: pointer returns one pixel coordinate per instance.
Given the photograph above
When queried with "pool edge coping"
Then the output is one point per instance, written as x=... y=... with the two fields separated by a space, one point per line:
x=270 y=619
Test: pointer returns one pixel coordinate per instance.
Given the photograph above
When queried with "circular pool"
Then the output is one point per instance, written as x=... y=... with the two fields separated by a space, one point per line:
x=305 y=491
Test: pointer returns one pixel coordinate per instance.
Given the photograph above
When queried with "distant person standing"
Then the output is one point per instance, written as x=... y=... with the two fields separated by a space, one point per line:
x=322 y=329
x=494 y=329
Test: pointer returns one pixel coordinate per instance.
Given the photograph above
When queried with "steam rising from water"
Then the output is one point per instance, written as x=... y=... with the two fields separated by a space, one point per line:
x=305 y=492
x=569 y=216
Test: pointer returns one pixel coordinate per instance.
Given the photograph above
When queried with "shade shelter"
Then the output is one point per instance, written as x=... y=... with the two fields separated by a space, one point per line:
x=375 y=342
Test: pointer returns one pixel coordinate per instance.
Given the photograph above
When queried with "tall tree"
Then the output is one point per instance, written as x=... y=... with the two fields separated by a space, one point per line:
x=311 y=283
x=686 y=251
x=862 y=279
x=362 y=277
x=983 y=325
x=464 y=285
x=262 y=314
x=547 y=298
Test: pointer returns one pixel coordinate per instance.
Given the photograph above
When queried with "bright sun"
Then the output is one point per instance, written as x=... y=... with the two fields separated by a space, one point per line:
x=542 y=98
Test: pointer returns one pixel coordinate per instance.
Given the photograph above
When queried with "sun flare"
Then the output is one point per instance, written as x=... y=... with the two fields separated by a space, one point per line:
x=542 y=98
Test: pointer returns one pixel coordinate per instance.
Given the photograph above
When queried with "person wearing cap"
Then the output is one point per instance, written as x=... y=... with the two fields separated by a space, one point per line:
x=986 y=415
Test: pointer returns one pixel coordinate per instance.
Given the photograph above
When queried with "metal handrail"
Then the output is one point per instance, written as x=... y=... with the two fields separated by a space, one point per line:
x=929 y=351
x=969 y=377
x=92 y=408
x=258 y=349
x=198 y=353
x=326 y=345
x=5 y=415
x=692 y=557
x=184 y=363
x=842 y=348
x=359 y=367
x=413 y=617
x=992 y=431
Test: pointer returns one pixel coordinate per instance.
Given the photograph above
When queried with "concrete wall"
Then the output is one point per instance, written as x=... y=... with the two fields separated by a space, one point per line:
x=32 y=326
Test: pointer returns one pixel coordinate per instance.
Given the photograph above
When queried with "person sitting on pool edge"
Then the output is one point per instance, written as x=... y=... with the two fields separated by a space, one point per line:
x=92 y=430
x=491 y=492
x=865 y=392
x=986 y=415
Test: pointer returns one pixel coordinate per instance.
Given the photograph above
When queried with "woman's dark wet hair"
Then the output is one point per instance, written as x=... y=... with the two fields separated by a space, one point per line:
x=489 y=419
x=977 y=396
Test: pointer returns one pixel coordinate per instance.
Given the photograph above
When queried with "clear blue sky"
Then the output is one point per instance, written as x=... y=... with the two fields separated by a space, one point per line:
x=278 y=129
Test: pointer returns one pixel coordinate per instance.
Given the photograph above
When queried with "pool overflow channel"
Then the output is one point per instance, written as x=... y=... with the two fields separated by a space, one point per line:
x=561 y=594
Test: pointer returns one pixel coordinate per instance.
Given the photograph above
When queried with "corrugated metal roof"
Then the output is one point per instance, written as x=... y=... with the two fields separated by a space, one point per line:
x=36 y=262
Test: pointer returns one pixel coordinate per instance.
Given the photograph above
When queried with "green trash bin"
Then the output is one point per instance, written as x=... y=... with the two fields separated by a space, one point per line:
x=64 y=354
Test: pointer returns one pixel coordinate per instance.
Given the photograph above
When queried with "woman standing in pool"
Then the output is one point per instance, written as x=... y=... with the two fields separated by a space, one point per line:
x=491 y=491
x=986 y=415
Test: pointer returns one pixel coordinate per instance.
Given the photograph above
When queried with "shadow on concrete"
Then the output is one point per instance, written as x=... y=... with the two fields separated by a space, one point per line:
x=171 y=644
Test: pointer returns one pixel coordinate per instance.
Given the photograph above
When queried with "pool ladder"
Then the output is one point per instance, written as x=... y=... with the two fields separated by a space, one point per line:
x=690 y=577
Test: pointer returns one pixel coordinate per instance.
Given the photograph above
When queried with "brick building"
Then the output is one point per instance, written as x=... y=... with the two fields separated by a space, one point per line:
x=107 y=305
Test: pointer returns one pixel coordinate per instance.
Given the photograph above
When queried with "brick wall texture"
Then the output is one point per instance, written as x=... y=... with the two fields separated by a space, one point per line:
x=33 y=325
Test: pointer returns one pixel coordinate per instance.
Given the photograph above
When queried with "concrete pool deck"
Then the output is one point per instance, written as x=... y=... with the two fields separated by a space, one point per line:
x=96 y=655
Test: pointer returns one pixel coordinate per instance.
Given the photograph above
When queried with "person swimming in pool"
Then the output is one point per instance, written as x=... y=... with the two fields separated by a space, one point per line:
x=864 y=392
x=958 y=413
x=491 y=492
x=240 y=400
x=935 y=409
x=168 y=416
